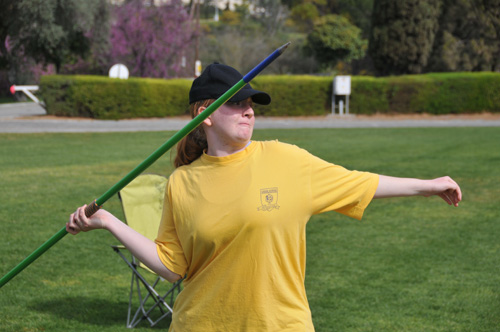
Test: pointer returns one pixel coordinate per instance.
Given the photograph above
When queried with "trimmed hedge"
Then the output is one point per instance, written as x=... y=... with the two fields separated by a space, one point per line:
x=104 y=98
x=437 y=93
x=295 y=95
x=101 y=97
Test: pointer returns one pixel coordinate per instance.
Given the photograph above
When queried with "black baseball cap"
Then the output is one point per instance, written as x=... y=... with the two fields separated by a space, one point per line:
x=216 y=79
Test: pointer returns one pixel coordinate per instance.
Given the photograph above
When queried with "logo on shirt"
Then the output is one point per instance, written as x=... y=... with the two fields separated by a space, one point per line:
x=268 y=199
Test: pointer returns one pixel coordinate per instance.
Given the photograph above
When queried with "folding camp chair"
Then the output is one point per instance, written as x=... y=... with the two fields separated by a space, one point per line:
x=142 y=202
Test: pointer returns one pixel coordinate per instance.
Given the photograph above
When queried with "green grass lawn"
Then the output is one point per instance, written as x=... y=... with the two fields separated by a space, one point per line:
x=411 y=264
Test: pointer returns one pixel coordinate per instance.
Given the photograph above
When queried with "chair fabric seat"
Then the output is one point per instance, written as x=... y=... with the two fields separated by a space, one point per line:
x=151 y=297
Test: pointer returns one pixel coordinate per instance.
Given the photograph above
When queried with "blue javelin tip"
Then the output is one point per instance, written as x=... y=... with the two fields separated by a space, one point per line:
x=283 y=48
x=254 y=72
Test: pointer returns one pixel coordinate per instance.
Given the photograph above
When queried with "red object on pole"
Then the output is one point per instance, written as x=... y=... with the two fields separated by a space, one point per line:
x=13 y=89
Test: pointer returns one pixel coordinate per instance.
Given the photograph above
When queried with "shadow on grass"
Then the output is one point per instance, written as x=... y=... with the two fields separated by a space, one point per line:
x=91 y=311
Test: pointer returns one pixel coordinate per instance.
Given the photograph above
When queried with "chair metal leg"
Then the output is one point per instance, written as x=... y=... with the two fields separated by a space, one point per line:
x=158 y=301
x=132 y=280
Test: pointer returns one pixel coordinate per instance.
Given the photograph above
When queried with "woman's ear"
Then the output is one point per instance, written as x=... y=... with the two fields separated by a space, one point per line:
x=208 y=120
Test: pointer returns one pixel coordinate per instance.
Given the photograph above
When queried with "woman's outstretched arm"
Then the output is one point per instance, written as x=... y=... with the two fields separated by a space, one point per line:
x=444 y=187
x=140 y=246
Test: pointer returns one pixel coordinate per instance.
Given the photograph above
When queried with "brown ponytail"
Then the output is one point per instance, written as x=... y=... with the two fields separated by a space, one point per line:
x=192 y=146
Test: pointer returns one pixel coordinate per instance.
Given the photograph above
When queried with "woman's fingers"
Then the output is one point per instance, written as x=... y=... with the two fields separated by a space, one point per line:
x=449 y=190
x=445 y=198
x=451 y=196
x=78 y=222
x=71 y=225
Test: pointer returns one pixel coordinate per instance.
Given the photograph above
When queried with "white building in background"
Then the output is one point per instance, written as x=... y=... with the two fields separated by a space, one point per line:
x=221 y=4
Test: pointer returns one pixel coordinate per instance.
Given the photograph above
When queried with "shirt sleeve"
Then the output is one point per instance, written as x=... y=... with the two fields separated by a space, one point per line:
x=334 y=188
x=168 y=244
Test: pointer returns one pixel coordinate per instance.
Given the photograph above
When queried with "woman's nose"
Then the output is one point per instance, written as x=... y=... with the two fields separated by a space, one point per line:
x=248 y=112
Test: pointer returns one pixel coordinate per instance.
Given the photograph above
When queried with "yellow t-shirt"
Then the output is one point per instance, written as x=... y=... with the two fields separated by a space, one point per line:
x=236 y=226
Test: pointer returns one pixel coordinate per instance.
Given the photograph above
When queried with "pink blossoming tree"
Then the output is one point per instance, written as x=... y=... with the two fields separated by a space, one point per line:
x=151 y=40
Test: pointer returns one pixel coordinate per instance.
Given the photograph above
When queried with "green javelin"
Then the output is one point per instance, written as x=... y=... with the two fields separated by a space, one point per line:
x=94 y=206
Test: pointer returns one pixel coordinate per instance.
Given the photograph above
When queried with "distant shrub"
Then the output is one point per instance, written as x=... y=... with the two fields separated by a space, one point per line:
x=294 y=95
x=104 y=98
x=437 y=93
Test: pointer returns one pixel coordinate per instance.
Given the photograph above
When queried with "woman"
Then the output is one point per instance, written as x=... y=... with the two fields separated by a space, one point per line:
x=235 y=214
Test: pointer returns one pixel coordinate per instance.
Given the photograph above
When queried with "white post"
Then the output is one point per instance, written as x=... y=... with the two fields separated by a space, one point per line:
x=197 y=68
x=342 y=87
x=32 y=96
x=26 y=89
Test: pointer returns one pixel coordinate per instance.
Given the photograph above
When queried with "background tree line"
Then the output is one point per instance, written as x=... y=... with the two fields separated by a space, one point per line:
x=369 y=37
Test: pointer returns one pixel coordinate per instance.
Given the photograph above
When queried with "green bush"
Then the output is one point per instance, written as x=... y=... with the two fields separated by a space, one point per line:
x=368 y=95
x=104 y=98
x=437 y=93
x=295 y=95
